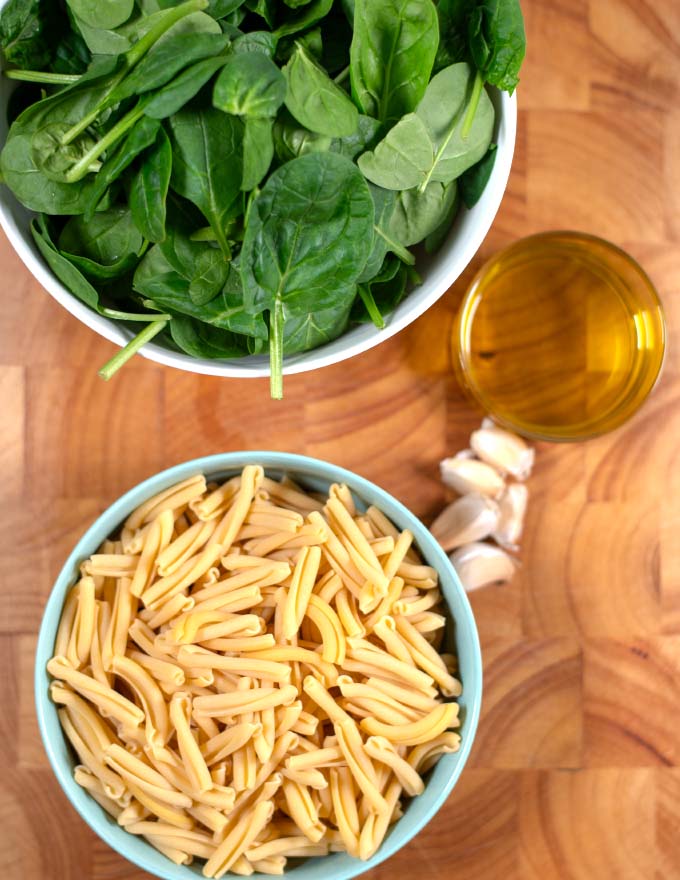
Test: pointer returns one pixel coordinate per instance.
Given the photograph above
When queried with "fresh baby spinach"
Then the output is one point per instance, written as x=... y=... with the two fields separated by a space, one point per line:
x=306 y=244
x=243 y=176
x=392 y=54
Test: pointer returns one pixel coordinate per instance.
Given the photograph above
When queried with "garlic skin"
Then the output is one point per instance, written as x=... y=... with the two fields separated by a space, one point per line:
x=466 y=474
x=478 y=565
x=512 y=508
x=507 y=452
x=470 y=518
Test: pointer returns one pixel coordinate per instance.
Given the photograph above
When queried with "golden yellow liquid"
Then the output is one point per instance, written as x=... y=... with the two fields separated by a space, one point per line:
x=561 y=336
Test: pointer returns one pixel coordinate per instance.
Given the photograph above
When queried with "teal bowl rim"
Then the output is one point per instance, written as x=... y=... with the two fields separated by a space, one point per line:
x=441 y=780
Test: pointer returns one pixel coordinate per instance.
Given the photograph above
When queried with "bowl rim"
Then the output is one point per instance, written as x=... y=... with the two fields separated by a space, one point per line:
x=218 y=464
x=253 y=367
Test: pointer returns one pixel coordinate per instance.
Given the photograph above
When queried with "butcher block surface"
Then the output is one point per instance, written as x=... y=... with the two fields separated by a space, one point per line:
x=575 y=772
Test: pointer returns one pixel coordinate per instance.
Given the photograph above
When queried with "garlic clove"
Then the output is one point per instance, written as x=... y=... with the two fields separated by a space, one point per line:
x=470 y=518
x=466 y=474
x=505 y=451
x=480 y=564
x=512 y=508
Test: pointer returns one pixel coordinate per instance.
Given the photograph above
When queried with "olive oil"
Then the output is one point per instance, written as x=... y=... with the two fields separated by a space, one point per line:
x=561 y=336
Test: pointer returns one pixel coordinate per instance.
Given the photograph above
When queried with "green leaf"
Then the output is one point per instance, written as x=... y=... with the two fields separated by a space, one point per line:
x=107 y=14
x=429 y=144
x=149 y=189
x=307 y=240
x=172 y=97
x=211 y=275
x=201 y=340
x=417 y=215
x=473 y=182
x=315 y=100
x=392 y=54
x=258 y=151
x=363 y=138
x=26 y=33
x=107 y=238
x=67 y=273
x=403 y=158
x=304 y=332
x=292 y=140
x=255 y=41
x=498 y=41
x=311 y=14
x=207 y=149
x=250 y=85
x=140 y=137
x=453 y=44
x=166 y=59
x=383 y=202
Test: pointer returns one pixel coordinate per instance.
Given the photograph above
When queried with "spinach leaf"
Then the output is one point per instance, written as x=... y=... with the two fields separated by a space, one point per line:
x=303 y=332
x=315 y=100
x=473 y=182
x=382 y=294
x=71 y=54
x=255 y=41
x=106 y=239
x=308 y=238
x=453 y=25
x=179 y=91
x=106 y=14
x=166 y=59
x=258 y=151
x=363 y=138
x=149 y=189
x=207 y=169
x=403 y=158
x=32 y=187
x=157 y=280
x=438 y=236
x=100 y=41
x=25 y=33
x=429 y=145
x=309 y=15
x=383 y=206
x=211 y=275
x=264 y=8
x=417 y=215
x=497 y=41
x=292 y=140
x=140 y=137
x=68 y=274
x=392 y=54
x=250 y=85
x=201 y=340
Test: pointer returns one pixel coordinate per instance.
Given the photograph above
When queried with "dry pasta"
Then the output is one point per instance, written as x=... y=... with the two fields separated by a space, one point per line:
x=248 y=675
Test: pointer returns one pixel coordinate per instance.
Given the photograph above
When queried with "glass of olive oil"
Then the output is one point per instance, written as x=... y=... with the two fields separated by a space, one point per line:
x=561 y=336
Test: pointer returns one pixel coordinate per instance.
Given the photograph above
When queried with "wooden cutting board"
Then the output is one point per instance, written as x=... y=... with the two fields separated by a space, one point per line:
x=575 y=771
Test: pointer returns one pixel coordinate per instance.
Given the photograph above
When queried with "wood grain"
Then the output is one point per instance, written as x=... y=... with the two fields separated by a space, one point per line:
x=575 y=774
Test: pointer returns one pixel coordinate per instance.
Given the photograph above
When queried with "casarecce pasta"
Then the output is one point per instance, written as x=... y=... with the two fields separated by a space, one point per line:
x=249 y=675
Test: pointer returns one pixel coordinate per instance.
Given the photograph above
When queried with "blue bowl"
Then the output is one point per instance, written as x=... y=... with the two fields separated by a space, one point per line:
x=317 y=475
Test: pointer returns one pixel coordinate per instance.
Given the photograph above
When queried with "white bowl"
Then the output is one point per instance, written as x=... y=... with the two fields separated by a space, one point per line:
x=438 y=271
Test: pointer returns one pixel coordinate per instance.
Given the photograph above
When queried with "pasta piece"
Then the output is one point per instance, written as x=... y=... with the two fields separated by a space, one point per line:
x=300 y=807
x=416 y=732
x=300 y=590
x=238 y=840
x=381 y=749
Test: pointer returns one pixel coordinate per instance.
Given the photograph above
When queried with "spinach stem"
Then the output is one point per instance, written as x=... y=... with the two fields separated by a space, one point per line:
x=123 y=356
x=276 y=351
x=398 y=249
x=42 y=76
x=472 y=107
x=82 y=166
x=342 y=76
x=130 y=316
x=371 y=307
x=132 y=57
x=221 y=239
